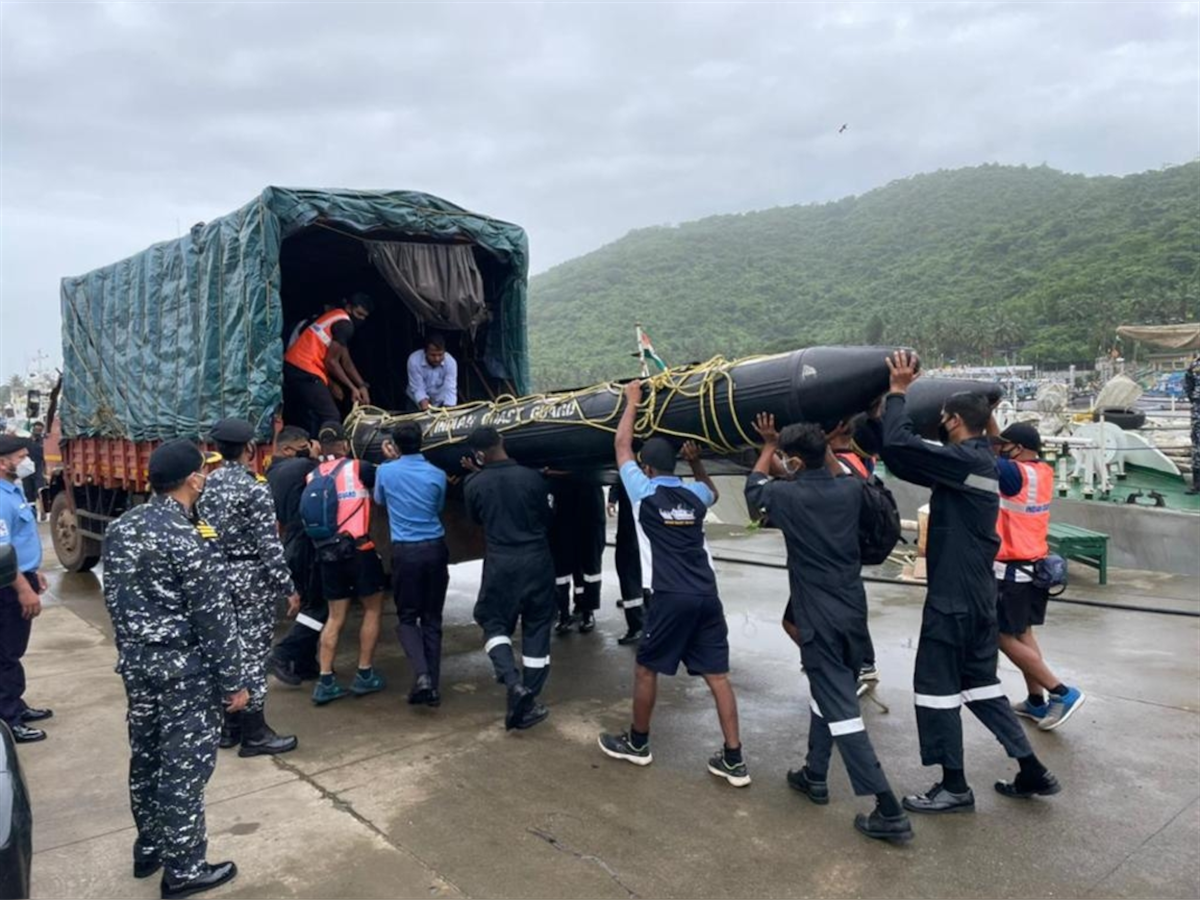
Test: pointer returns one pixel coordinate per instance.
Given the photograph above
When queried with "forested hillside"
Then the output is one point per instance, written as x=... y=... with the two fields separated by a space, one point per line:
x=978 y=264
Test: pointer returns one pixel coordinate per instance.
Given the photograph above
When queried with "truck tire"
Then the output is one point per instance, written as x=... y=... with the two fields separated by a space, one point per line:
x=1125 y=419
x=76 y=552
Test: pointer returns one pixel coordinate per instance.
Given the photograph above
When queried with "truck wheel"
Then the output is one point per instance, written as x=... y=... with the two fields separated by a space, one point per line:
x=77 y=552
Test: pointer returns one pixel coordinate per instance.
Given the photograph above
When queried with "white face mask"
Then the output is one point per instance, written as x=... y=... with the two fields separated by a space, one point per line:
x=25 y=468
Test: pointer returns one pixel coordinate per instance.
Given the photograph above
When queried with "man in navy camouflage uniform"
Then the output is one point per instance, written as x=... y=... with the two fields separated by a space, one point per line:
x=238 y=504
x=1191 y=389
x=177 y=652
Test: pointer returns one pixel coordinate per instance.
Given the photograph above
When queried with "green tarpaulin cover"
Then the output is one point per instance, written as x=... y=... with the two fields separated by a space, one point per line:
x=165 y=343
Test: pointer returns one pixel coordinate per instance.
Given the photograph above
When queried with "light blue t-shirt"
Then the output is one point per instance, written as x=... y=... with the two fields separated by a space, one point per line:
x=414 y=492
x=18 y=526
x=639 y=486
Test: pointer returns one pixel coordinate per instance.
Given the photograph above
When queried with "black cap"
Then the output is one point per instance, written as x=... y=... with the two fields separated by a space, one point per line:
x=366 y=301
x=174 y=461
x=330 y=432
x=232 y=431
x=659 y=454
x=1024 y=434
x=10 y=443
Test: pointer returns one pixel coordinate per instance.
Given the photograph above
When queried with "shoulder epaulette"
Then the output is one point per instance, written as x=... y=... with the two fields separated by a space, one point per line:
x=262 y=479
x=206 y=531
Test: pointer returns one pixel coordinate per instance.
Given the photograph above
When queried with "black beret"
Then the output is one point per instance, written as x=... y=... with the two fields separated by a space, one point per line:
x=232 y=431
x=10 y=443
x=174 y=461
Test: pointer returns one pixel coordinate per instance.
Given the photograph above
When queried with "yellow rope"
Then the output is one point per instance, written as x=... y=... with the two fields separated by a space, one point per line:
x=711 y=381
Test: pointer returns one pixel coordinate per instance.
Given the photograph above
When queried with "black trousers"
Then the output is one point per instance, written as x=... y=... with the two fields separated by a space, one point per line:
x=14 y=640
x=831 y=663
x=518 y=586
x=577 y=544
x=956 y=665
x=299 y=646
x=420 y=576
x=628 y=560
x=307 y=400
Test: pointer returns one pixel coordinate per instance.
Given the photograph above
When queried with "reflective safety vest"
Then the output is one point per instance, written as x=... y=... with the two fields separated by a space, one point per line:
x=354 y=500
x=311 y=348
x=1024 y=520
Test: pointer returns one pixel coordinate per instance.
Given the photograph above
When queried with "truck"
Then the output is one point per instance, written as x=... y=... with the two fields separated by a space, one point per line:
x=164 y=343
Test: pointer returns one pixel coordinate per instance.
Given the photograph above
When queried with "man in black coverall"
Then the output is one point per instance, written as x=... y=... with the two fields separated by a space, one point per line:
x=577 y=545
x=818 y=512
x=513 y=505
x=958 y=649
x=294 y=659
x=627 y=557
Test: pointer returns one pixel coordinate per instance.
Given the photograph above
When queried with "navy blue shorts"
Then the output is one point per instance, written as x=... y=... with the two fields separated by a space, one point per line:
x=685 y=628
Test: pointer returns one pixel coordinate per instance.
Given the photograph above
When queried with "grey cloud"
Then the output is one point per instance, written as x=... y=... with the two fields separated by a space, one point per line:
x=125 y=122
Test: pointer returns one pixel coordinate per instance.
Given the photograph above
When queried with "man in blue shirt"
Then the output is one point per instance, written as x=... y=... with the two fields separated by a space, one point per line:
x=20 y=604
x=685 y=622
x=414 y=492
x=432 y=375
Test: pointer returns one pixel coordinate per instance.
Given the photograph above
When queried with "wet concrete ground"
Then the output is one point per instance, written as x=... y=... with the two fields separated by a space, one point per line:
x=383 y=800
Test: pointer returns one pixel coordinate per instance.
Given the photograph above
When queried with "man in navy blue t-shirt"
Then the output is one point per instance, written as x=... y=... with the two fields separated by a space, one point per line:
x=685 y=622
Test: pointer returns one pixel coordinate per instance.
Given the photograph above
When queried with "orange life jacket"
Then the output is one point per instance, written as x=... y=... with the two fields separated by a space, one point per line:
x=354 y=500
x=854 y=461
x=312 y=347
x=1024 y=520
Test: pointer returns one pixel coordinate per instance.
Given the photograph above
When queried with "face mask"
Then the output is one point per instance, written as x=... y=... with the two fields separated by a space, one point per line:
x=303 y=453
x=943 y=432
x=26 y=467
x=200 y=490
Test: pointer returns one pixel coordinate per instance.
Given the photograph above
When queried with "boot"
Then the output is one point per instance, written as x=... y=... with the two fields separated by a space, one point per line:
x=259 y=739
x=231 y=731
x=635 y=618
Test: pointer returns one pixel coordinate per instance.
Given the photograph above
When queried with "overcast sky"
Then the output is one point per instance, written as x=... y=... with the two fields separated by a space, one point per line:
x=124 y=123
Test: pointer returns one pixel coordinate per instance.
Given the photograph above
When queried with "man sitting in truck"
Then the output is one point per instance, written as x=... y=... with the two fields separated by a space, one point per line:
x=432 y=375
x=321 y=351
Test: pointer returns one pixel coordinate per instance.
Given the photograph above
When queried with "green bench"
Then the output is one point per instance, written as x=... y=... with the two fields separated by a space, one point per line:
x=1082 y=545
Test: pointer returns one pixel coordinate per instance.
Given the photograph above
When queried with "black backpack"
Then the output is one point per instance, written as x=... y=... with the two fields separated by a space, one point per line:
x=878 y=521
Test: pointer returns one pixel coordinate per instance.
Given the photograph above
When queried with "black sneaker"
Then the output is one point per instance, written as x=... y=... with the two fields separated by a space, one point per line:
x=897 y=829
x=816 y=791
x=1024 y=788
x=211 y=876
x=421 y=689
x=736 y=774
x=587 y=623
x=618 y=746
x=939 y=800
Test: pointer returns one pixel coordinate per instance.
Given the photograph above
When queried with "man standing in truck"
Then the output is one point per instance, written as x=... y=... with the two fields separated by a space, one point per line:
x=237 y=503
x=320 y=352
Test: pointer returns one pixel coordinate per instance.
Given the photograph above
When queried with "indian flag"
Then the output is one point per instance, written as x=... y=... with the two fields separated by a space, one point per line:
x=646 y=353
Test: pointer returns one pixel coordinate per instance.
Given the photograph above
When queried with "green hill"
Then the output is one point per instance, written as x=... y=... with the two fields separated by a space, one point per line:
x=973 y=264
